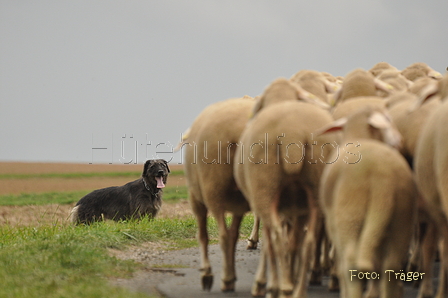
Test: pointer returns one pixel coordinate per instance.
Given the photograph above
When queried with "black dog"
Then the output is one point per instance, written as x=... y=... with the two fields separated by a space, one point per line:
x=132 y=200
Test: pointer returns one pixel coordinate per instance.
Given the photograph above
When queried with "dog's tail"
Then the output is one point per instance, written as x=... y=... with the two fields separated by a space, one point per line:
x=73 y=217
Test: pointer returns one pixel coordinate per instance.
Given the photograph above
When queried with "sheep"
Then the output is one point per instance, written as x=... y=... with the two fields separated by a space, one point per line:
x=409 y=123
x=380 y=67
x=283 y=89
x=396 y=80
x=430 y=165
x=360 y=83
x=419 y=70
x=278 y=174
x=209 y=152
x=315 y=83
x=420 y=84
x=351 y=105
x=368 y=201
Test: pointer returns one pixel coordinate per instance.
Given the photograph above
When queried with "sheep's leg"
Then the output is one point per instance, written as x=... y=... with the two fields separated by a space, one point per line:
x=428 y=248
x=252 y=242
x=201 y=215
x=281 y=250
x=350 y=287
x=316 y=271
x=297 y=236
x=228 y=238
x=443 y=276
x=273 y=286
x=259 y=286
x=333 y=284
x=326 y=247
x=414 y=263
x=309 y=244
x=391 y=287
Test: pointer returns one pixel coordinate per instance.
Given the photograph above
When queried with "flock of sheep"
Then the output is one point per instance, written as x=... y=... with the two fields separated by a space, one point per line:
x=346 y=174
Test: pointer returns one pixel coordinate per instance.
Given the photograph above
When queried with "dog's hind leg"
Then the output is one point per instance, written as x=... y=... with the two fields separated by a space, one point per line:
x=200 y=211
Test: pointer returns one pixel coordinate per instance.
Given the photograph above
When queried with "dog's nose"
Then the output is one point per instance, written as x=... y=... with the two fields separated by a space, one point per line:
x=160 y=173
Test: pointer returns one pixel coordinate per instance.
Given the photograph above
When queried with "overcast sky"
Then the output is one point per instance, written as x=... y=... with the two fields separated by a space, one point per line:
x=131 y=76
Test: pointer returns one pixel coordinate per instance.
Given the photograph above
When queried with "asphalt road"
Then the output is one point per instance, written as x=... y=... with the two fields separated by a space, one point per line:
x=186 y=282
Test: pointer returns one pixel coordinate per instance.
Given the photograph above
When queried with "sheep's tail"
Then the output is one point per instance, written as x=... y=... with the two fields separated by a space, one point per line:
x=378 y=217
x=183 y=140
x=73 y=217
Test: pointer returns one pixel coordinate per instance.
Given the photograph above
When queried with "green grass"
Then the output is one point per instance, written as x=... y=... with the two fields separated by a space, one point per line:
x=171 y=194
x=67 y=261
x=82 y=175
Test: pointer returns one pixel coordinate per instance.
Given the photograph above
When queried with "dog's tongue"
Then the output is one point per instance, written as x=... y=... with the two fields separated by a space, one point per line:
x=160 y=183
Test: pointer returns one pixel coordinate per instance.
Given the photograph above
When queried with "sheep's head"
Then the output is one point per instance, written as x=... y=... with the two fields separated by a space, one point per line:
x=367 y=123
x=282 y=90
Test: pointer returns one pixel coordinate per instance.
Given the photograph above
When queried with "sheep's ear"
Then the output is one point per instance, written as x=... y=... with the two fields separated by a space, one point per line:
x=435 y=75
x=381 y=85
x=379 y=120
x=147 y=164
x=337 y=96
x=310 y=98
x=390 y=134
x=334 y=126
x=426 y=93
x=330 y=87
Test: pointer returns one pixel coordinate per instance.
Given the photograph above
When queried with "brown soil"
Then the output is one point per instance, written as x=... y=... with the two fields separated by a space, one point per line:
x=41 y=168
x=27 y=185
x=51 y=214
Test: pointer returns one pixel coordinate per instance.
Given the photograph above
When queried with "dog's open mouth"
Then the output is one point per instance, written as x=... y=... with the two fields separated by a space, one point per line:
x=160 y=183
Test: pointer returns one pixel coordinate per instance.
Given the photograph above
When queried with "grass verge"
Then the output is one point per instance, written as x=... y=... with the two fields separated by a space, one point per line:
x=171 y=194
x=68 y=261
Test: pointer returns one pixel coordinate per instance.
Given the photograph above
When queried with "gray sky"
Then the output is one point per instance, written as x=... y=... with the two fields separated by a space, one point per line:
x=131 y=76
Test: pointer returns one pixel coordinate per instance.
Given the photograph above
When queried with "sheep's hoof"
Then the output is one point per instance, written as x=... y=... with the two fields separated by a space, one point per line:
x=316 y=278
x=272 y=293
x=333 y=284
x=286 y=293
x=251 y=244
x=228 y=286
x=207 y=282
x=258 y=289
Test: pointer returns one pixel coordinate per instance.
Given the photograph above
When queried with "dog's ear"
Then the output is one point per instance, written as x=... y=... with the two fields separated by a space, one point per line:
x=166 y=163
x=147 y=164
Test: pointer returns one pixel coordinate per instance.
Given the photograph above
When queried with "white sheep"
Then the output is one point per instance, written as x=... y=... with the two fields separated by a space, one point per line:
x=279 y=175
x=209 y=152
x=316 y=83
x=419 y=70
x=281 y=90
x=369 y=204
x=380 y=67
x=360 y=83
x=431 y=172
